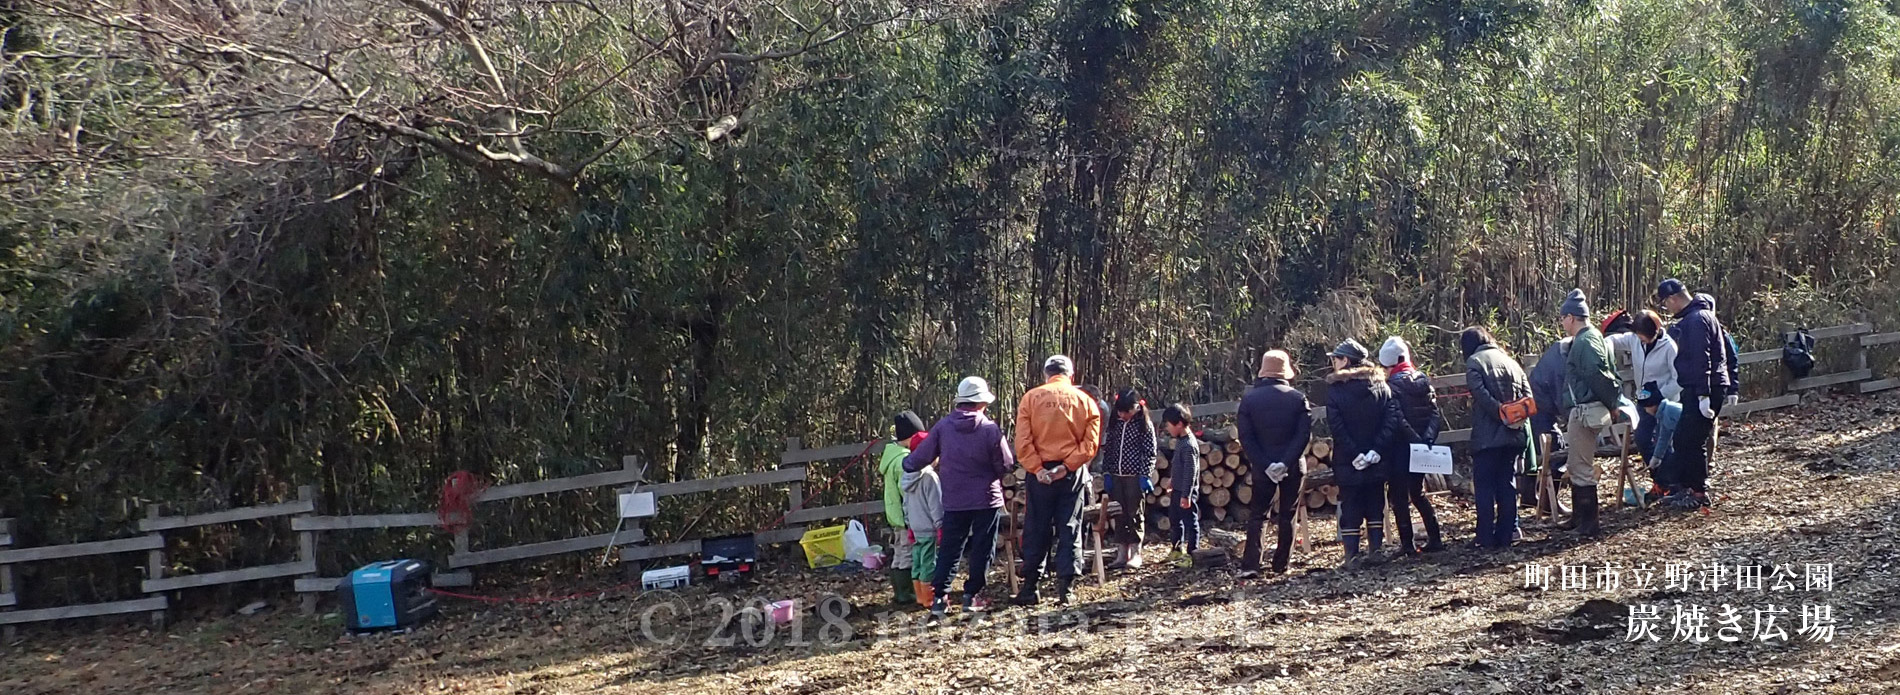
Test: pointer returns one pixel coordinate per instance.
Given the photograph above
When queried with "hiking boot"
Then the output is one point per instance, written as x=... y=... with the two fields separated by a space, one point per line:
x=939 y=607
x=1690 y=501
x=1436 y=545
x=1027 y=596
x=976 y=604
x=1063 y=595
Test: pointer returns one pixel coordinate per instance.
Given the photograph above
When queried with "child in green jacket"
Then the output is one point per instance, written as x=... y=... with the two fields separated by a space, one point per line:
x=891 y=466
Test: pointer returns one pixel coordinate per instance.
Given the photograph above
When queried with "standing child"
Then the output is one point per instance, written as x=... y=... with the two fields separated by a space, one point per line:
x=923 y=510
x=891 y=465
x=1128 y=459
x=1184 y=474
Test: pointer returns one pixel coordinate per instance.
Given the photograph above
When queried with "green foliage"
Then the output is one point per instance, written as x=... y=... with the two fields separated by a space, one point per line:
x=1161 y=189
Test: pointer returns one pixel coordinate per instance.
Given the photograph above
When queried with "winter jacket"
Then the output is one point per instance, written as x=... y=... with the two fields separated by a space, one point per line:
x=1130 y=447
x=1419 y=401
x=1626 y=357
x=1729 y=353
x=923 y=501
x=1701 y=351
x=1363 y=417
x=1184 y=471
x=973 y=458
x=1659 y=366
x=891 y=465
x=1276 y=422
x=1057 y=423
x=1494 y=379
x=1547 y=382
x=1589 y=375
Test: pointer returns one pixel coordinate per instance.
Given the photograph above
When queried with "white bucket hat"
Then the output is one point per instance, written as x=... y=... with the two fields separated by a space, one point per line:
x=973 y=389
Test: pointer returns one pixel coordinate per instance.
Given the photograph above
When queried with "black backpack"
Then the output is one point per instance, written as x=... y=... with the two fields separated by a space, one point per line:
x=1798 y=353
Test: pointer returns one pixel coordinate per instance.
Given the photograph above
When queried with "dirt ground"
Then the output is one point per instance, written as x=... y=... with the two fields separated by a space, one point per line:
x=1818 y=484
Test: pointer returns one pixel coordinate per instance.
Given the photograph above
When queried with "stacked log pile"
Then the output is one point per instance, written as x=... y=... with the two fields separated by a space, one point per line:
x=1226 y=488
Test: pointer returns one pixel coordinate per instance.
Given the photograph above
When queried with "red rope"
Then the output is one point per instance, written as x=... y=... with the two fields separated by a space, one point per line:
x=459 y=492
x=533 y=599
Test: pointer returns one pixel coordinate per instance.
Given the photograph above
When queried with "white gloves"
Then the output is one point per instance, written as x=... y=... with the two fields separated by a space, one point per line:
x=1702 y=404
x=1360 y=463
x=1374 y=457
x=1730 y=401
x=1276 y=471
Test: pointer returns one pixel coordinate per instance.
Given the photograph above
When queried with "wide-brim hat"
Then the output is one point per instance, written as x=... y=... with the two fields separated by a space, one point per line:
x=974 y=389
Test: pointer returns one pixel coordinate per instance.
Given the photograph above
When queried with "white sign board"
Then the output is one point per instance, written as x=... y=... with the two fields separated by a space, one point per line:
x=1431 y=459
x=636 y=504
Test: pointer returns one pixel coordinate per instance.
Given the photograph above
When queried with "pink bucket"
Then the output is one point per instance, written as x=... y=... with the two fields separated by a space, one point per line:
x=781 y=611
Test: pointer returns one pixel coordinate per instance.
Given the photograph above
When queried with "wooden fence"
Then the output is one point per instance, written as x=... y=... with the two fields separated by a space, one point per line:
x=791 y=473
x=310 y=526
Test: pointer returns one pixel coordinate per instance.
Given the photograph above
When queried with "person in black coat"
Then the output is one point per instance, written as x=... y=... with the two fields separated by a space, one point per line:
x=1495 y=379
x=1275 y=422
x=1405 y=489
x=1369 y=433
x=1702 y=367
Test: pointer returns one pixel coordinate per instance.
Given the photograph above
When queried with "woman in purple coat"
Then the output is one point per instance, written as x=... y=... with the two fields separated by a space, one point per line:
x=973 y=456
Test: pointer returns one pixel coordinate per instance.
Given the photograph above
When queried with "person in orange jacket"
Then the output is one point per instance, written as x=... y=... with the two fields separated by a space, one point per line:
x=1058 y=431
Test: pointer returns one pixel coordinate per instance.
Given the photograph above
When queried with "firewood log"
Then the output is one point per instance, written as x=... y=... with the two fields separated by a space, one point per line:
x=1323 y=449
x=1163 y=522
x=1332 y=494
x=1207 y=488
x=1206 y=448
x=1233 y=447
x=1220 y=513
x=1219 y=498
x=1243 y=493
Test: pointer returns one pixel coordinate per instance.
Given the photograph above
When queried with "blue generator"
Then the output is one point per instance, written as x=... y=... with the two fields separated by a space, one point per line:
x=386 y=596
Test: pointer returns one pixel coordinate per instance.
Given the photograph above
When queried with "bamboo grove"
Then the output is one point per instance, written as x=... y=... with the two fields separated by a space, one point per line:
x=366 y=243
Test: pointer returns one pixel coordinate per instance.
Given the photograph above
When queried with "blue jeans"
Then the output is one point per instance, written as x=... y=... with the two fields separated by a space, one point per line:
x=974 y=531
x=1491 y=473
x=1185 y=525
x=1645 y=434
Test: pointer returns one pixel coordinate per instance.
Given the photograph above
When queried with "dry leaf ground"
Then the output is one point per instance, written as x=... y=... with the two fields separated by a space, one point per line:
x=1817 y=484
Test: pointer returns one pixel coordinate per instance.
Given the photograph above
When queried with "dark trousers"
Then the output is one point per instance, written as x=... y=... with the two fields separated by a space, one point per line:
x=1125 y=490
x=1491 y=472
x=1362 y=505
x=1689 y=453
x=972 y=531
x=1263 y=496
x=1185 y=525
x=1052 y=525
x=1402 y=492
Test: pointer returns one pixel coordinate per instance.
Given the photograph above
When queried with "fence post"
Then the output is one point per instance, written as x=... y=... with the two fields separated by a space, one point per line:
x=307 y=546
x=155 y=564
x=9 y=632
x=795 y=490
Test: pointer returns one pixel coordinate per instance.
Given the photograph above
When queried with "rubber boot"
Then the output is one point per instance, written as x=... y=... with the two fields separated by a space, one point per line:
x=925 y=594
x=903 y=589
x=1121 y=557
x=1063 y=594
x=1585 y=507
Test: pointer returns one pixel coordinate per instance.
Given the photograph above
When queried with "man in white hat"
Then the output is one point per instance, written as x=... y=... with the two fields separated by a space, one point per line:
x=1058 y=431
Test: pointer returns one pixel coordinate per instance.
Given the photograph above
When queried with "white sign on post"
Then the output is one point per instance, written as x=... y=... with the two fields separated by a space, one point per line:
x=635 y=505
x=1431 y=459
